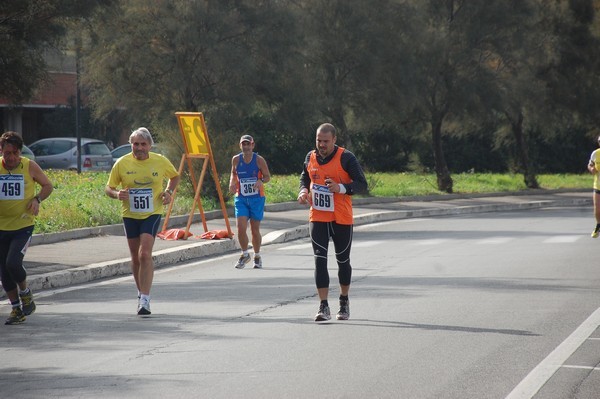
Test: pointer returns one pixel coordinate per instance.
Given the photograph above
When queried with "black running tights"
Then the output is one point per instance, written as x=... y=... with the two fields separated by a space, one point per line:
x=341 y=234
x=13 y=245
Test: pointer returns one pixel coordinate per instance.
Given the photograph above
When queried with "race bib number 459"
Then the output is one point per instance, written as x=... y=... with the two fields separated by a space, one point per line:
x=141 y=200
x=12 y=187
x=322 y=198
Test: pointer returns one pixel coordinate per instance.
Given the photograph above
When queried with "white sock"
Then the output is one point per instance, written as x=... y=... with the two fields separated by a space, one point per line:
x=144 y=298
x=257 y=254
x=244 y=253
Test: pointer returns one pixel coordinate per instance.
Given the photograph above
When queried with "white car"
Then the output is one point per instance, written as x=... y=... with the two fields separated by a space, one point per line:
x=61 y=153
x=27 y=153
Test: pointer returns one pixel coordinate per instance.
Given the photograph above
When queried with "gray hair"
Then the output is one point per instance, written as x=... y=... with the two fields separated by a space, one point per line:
x=142 y=131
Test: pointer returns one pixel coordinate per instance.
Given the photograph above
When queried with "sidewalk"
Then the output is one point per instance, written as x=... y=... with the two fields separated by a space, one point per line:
x=79 y=256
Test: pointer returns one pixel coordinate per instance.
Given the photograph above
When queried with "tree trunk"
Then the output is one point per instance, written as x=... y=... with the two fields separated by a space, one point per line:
x=523 y=152
x=342 y=129
x=444 y=180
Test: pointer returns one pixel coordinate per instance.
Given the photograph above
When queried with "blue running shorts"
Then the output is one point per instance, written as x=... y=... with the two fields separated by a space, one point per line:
x=135 y=227
x=252 y=208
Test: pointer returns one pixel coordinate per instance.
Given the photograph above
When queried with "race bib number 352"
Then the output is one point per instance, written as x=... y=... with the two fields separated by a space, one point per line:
x=12 y=187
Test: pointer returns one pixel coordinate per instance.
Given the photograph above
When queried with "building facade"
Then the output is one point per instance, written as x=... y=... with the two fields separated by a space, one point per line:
x=59 y=92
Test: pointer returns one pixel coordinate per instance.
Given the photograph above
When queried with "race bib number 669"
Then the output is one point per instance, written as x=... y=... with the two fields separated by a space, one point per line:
x=322 y=198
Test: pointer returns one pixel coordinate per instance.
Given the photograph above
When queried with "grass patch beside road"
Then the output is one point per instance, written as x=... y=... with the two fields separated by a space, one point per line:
x=78 y=200
x=285 y=188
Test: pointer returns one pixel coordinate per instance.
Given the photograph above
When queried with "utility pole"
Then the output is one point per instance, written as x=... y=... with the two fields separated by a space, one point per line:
x=77 y=106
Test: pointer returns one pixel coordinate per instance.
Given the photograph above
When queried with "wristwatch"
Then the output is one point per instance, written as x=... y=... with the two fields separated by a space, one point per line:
x=168 y=190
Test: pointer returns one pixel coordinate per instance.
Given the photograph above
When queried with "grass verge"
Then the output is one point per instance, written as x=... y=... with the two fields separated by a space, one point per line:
x=78 y=200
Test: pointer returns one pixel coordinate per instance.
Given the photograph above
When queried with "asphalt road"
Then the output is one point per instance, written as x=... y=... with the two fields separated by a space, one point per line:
x=477 y=306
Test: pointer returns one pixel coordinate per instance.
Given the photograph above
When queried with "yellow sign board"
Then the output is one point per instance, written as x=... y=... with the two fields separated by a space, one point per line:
x=193 y=132
x=197 y=147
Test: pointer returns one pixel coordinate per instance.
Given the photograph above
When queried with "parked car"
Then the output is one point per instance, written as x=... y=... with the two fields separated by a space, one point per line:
x=61 y=153
x=27 y=153
x=126 y=149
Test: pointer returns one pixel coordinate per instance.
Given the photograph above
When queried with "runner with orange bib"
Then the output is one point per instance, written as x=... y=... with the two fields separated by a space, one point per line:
x=331 y=175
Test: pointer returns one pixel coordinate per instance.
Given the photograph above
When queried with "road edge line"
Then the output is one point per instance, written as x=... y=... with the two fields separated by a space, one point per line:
x=538 y=377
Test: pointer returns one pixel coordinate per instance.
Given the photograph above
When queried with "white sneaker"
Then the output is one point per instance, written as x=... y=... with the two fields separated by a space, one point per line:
x=143 y=308
x=242 y=261
x=257 y=262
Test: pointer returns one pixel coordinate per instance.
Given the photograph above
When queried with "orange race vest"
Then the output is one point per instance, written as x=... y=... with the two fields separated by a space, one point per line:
x=327 y=206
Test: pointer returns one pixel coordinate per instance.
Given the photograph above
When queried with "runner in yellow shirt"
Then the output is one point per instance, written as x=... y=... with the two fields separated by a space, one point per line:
x=141 y=175
x=19 y=205
x=594 y=168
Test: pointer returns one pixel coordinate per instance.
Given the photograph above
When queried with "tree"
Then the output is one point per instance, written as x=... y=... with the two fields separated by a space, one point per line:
x=412 y=72
x=443 y=74
x=27 y=29
x=155 y=58
x=344 y=45
x=232 y=60
x=574 y=77
x=465 y=56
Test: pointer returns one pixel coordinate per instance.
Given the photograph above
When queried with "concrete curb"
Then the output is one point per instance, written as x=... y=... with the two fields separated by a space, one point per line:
x=169 y=257
x=276 y=237
x=115 y=229
x=178 y=221
x=95 y=271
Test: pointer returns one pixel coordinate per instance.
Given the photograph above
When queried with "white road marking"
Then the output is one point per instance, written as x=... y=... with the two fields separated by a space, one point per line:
x=433 y=241
x=532 y=383
x=561 y=239
x=366 y=244
x=371 y=226
x=568 y=366
x=495 y=240
x=355 y=244
x=297 y=246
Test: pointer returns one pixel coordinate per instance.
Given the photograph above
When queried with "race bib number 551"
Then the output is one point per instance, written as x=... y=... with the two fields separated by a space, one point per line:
x=141 y=200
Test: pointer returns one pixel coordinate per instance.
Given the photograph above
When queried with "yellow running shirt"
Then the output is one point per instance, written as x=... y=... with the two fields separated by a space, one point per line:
x=595 y=157
x=145 y=180
x=17 y=189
